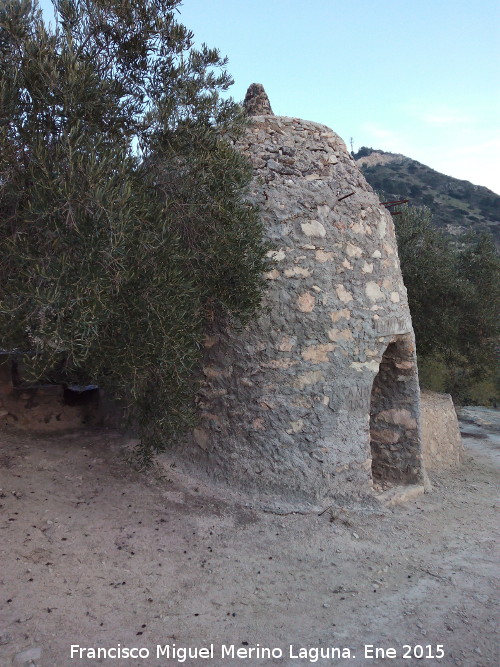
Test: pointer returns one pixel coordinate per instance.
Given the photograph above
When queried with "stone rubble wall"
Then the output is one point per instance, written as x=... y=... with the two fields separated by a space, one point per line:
x=42 y=408
x=285 y=404
x=442 y=445
x=394 y=431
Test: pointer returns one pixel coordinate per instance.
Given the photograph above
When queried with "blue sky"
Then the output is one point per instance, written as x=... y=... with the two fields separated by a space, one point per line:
x=418 y=77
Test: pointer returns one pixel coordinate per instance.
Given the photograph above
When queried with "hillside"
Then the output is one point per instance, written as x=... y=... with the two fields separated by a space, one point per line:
x=457 y=206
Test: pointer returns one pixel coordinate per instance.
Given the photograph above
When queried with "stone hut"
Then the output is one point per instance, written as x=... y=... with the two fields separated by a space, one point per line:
x=318 y=399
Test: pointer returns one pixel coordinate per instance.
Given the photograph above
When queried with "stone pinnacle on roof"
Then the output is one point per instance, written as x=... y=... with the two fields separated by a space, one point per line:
x=257 y=102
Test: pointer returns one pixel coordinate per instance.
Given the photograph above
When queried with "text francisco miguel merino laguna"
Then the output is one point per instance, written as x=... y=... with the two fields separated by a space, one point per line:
x=182 y=653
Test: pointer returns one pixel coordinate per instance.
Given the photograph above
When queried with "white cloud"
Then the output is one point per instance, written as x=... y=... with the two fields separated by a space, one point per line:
x=378 y=132
x=444 y=117
x=438 y=115
x=377 y=136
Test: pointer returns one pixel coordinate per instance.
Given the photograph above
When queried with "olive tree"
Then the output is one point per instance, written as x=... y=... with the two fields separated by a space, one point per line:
x=454 y=297
x=123 y=219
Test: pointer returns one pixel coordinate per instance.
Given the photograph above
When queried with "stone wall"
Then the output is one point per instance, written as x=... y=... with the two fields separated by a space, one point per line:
x=285 y=404
x=43 y=408
x=441 y=440
x=394 y=433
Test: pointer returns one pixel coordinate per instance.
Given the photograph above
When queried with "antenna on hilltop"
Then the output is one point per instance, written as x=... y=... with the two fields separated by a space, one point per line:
x=351 y=141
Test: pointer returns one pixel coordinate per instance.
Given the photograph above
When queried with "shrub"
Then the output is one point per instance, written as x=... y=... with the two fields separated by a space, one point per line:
x=454 y=298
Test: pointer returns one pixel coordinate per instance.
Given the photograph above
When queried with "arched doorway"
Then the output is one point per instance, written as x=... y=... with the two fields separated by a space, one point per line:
x=394 y=416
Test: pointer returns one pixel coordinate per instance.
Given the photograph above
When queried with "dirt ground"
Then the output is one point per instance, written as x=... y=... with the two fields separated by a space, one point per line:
x=97 y=555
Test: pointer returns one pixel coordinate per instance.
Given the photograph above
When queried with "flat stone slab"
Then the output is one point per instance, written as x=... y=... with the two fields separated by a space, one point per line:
x=441 y=441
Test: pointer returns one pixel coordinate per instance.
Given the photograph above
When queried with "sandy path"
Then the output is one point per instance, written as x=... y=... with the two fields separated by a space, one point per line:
x=97 y=555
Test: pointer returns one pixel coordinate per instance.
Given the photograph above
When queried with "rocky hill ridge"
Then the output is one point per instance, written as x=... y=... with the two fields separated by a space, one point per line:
x=457 y=205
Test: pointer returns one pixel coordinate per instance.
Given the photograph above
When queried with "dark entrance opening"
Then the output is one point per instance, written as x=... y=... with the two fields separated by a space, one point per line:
x=394 y=415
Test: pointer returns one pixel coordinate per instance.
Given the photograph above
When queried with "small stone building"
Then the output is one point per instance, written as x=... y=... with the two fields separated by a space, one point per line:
x=318 y=399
